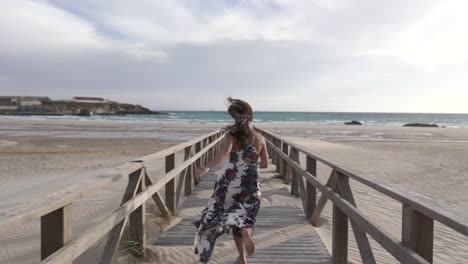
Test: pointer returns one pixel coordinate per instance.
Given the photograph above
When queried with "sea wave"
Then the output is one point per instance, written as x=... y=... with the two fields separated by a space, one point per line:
x=368 y=119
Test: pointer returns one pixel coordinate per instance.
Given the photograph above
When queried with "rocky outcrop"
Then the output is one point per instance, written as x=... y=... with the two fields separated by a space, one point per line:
x=420 y=125
x=354 y=122
x=80 y=108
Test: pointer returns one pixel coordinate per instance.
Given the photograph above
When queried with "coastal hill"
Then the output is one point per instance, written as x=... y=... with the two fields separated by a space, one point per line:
x=84 y=106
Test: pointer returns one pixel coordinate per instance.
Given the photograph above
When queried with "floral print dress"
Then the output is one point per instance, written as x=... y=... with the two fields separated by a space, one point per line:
x=234 y=203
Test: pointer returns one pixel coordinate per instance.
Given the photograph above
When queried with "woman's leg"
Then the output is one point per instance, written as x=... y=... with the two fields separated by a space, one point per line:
x=249 y=245
x=240 y=247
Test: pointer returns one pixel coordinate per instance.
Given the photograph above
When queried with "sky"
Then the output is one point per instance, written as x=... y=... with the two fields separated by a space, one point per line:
x=279 y=55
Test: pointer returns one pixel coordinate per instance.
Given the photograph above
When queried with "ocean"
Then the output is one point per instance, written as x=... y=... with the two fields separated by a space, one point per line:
x=315 y=118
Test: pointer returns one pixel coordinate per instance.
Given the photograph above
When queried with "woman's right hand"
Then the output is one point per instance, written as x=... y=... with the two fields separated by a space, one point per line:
x=201 y=172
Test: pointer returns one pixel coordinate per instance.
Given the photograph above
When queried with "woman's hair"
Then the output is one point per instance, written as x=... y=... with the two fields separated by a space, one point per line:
x=242 y=113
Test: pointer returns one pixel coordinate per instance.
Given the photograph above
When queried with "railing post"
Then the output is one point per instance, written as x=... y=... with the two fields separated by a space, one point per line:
x=198 y=161
x=294 y=155
x=340 y=235
x=189 y=175
x=56 y=230
x=277 y=143
x=210 y=151
x=170 y=185
x=418 y=232
x=138 y=217
x=284 y=164
x=311 y=166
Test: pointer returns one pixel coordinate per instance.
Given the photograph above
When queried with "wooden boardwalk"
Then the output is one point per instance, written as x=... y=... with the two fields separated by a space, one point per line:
x=282 y=235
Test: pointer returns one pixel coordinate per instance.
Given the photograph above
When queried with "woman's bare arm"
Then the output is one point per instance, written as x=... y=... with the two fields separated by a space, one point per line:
x=228 y=143
x=263 y=154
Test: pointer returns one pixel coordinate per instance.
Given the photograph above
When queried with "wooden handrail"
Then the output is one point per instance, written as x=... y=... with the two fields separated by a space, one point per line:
x=74 y=249
x=418 y=211
x=55 y=209
x=163 y=153
x=21 y=214
x=438 y=211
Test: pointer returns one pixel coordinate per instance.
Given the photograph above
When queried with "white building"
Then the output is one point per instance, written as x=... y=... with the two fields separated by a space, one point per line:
x=88 y=99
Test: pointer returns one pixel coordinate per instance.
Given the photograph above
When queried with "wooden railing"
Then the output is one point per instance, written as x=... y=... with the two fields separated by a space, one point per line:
x=55 y=210
x=418 y=211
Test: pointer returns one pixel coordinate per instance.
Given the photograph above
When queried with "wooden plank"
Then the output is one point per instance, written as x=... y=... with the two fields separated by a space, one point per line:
x=198 y=163
x=189 y=182
x=137 y=224
x=115 y=235
x=302 y=189
x=294 y=154
x=56 y=230
x=340 y=237
x=418 y=232
x=170 y=186
x=166 y=152
x=284 y=165
x=274 y=158
x=311 y=167
x=76 y=247
x=365 y=249
x=387 y=241
x=182 y=178
x=323 y=200
x=436 y=210
x=21 y=214
x=165 y=212
x=278 y=159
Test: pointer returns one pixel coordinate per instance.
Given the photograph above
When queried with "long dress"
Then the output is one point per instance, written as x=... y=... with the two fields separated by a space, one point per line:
x=234 y=203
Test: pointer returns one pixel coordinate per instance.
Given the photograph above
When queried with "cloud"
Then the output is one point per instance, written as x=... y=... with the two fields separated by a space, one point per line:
x=334 y=55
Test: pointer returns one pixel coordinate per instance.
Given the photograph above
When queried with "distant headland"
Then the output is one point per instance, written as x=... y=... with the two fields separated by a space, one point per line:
x=83 y=106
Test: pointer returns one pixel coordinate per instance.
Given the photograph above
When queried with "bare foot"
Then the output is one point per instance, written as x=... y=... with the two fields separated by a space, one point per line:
x=241 y=260
x=248 y=242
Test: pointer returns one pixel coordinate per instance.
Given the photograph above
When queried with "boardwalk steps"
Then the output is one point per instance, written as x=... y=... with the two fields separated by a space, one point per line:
x=282 y=234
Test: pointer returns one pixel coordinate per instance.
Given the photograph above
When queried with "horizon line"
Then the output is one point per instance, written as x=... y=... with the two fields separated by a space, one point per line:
x=349 y=112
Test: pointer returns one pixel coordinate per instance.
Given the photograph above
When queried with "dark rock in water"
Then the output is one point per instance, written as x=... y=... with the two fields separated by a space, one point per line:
x=354 y=122
x=84 y=112
x=420 y=125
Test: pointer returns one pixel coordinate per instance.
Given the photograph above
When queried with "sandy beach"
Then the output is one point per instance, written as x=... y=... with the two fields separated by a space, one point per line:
x=42 y=156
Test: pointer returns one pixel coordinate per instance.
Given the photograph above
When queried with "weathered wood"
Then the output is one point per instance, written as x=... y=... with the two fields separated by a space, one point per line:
x=418 y=232
x=75 y=248
x=280 y=232
x=21 y=214
x=311 y=167
x=115 y=235
x=198 y=163
x=165 y=212
x=284 y=165
x=272 y=153
x=436 y=210
x=170 y=186
x=278 y=159
x=365 y=249
x=323 y=200
x=56 y=230
x=137 y=224
x=294 y=155
x=387 y=241
x=189 y=182
x=340 y=237
x=166 y=152
x=182 y=178
x=302 y=189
